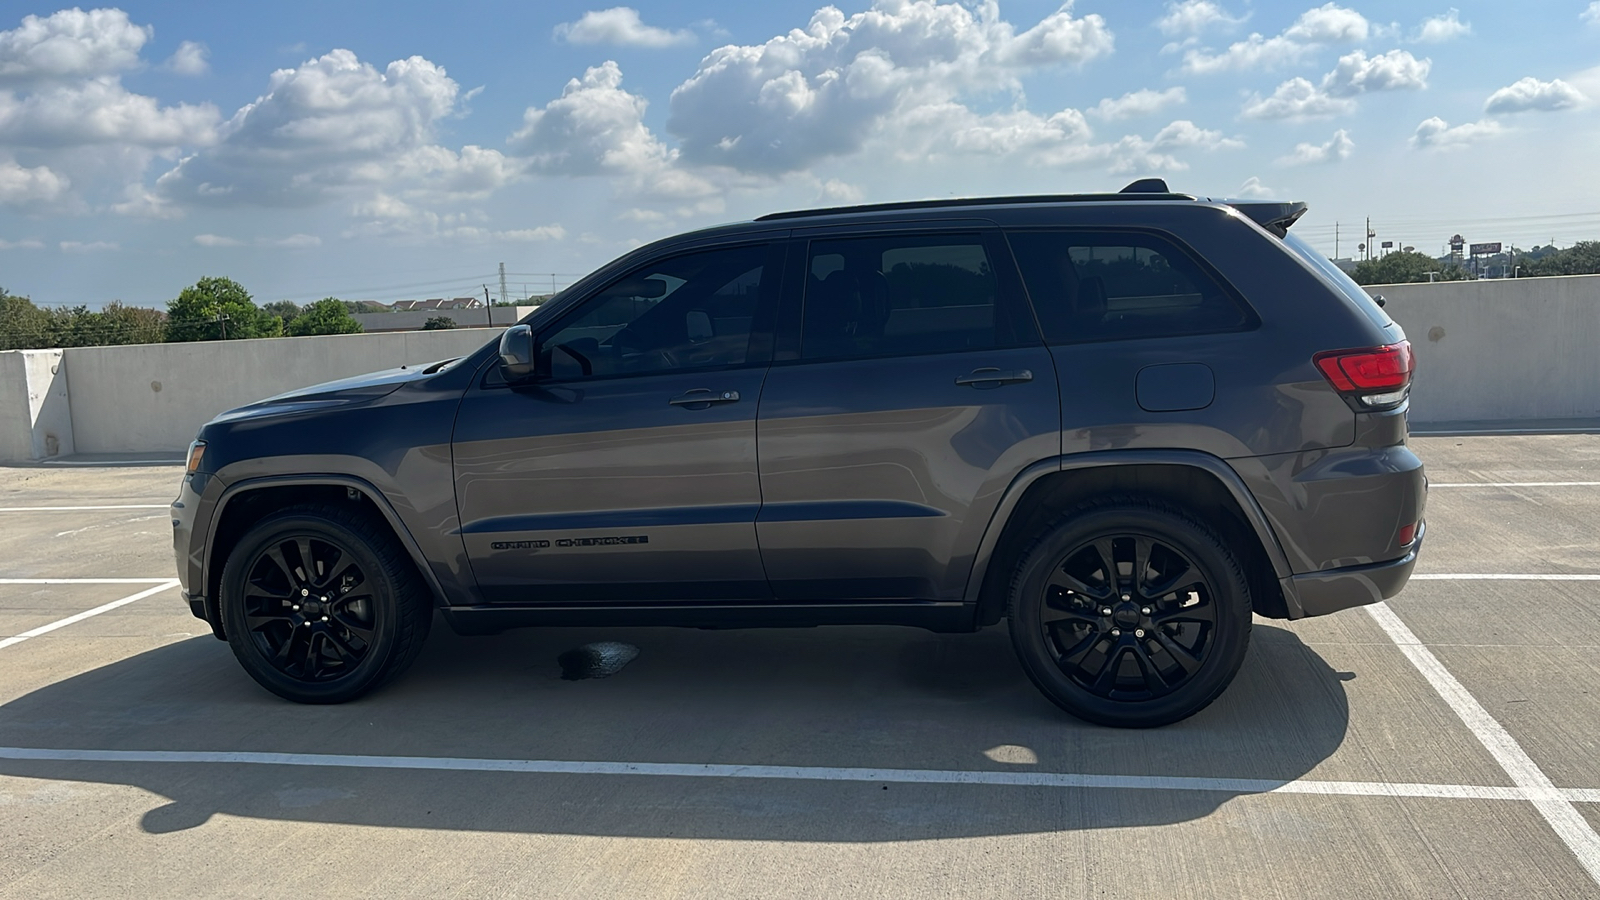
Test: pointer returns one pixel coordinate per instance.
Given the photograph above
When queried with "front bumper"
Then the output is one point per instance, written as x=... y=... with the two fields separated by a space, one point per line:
x=1331 y=590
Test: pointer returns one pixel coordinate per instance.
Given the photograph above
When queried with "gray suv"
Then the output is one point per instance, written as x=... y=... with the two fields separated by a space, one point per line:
x=1123 y=422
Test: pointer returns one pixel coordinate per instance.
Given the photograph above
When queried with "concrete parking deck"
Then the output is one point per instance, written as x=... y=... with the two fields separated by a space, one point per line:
x=1446 y=744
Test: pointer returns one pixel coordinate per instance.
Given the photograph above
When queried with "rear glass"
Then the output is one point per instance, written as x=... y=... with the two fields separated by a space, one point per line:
x=1339 y=281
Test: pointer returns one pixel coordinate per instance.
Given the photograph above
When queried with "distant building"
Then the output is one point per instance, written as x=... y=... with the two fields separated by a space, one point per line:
x=438 y=303
x=1345 y=264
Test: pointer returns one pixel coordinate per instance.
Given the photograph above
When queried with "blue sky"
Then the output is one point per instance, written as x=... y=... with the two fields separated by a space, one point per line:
x=403 y=150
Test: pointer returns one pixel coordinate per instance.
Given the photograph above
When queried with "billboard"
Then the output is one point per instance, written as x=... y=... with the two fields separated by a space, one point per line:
x=1480 y=249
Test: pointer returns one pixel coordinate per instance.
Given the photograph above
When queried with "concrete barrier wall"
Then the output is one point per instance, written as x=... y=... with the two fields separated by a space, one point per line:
x=35 y=414
x=1501 y=350
x=155 y=397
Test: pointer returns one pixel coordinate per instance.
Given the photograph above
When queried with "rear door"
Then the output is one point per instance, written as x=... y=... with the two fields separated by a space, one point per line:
x=910 y=388
x=626 y=472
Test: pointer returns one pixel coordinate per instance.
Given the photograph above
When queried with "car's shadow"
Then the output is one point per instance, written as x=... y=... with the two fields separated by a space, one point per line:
x=839 y=697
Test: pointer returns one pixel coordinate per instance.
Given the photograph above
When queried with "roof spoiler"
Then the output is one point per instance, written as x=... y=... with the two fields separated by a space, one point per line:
x=1274 y=217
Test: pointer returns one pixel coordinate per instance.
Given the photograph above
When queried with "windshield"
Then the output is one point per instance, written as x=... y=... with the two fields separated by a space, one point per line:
x=1339 y=281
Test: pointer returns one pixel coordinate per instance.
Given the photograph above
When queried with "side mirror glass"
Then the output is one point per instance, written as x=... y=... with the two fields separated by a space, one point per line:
x=698 y=323
x=517 y=353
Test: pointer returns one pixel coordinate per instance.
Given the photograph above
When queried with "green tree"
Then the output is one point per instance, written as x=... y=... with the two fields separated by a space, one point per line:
x=23 y=326
x=1401 y=267
x=328 y=316
x=80 y=326
x=218 y=309
x=286 y=310
x=438 y=323
x=1582 y=258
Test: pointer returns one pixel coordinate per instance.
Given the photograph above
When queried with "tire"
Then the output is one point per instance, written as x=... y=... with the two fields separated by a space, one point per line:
x=357 y=622
x=1139 y=652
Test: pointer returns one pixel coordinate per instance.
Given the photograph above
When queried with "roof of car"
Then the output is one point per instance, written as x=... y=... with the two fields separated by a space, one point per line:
x=1146 y=189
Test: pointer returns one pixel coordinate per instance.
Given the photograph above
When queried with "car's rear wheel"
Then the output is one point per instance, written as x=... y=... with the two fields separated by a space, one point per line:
x=321 y=604
x=1130 y=613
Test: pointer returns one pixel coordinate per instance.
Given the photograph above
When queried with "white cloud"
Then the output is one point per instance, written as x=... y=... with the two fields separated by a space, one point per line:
x=1335 y=150
x=26 y=244
x=1532 y=94
x=332 y=126
x=1297 y=98
x=1253 y=188
x=25 y=186
x=1326 y=24
x=217 y=240
x=1188 y=18
x=1184 y=134
x=1396 y=70
x=293 y=241
x=594 y=127
x=384 y=215
x=638 y=214
x=824 y=90
x=1438 y=29
x=835 y=191
x=1591 y=13
x=1138 y=103
x=1436 y=134
x=189 y=59
x=89 y=247
x=619 y=25
x=70 y=44
x=101 y=111
x=1354 y=74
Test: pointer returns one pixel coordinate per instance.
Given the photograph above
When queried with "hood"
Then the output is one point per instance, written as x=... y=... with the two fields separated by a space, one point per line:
x=370 y=386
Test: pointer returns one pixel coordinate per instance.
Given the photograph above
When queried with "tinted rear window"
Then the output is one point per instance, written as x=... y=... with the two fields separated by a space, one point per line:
x=1090 y=286
x=1339 y=281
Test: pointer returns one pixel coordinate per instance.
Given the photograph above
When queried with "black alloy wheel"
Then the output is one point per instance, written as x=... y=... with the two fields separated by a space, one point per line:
x=309 y=607
x=1130 y=613
x=320 y=603
x=1128 y=617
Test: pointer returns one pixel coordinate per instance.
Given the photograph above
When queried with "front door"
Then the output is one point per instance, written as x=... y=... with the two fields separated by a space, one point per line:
x=626 y=470
x=918 y=391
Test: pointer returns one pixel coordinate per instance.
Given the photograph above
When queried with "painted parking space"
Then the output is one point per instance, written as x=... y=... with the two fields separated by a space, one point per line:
x=847 y=761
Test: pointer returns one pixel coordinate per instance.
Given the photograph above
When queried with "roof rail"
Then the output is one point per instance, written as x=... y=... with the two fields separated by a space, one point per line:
x=1143 y=189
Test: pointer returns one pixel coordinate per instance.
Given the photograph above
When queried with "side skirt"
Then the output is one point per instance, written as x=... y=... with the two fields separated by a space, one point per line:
x=944 y=617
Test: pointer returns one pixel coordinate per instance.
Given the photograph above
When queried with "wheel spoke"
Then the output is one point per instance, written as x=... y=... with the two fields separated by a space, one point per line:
x=1201 y=615
x=275 y=554
x=1154 y=679
x=1060 y=578
x=345 y=651
x=1180 y=580
x=1106 y=680
x=1179 y=653
x=258 y=622
x=310 y=658
x=1141 y=561
x=1108 y=564
x=303 y=546
x=360 y=631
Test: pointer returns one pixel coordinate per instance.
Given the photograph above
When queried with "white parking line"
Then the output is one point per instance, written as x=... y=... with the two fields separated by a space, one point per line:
x=783 y=773
x=6 y=509
x=62 y=623
x=1495 y=576
x=1551 y=803
x=84 y=580
x=1512 y=484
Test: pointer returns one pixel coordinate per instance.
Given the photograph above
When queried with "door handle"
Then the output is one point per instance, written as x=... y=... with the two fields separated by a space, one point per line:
x=700 y=398
x=994 y=377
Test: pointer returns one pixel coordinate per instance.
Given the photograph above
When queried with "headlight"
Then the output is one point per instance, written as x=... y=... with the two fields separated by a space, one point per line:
x=197 y=452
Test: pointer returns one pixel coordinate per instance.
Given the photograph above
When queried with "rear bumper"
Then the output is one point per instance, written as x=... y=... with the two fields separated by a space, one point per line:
x=1331 y=590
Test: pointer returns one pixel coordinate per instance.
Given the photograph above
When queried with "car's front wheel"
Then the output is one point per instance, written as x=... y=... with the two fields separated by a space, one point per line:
x=321 y=604
x=1130 y=613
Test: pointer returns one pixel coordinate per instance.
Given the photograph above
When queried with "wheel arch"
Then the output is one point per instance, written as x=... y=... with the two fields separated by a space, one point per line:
x=244 y=503
x=1199 y=482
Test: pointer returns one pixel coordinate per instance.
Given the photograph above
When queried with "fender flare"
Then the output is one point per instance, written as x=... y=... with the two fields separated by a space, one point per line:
x=367 y=489
x=1205 y=462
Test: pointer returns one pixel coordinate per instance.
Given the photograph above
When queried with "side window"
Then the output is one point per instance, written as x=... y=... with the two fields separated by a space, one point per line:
x=892 y=296
x=1089 y=286
x=686 y=312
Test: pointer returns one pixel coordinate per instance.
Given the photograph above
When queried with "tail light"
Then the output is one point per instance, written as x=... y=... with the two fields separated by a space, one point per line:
x=1373 y=377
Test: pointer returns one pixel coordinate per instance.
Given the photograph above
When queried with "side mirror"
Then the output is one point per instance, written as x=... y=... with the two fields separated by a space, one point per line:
x=517 y=353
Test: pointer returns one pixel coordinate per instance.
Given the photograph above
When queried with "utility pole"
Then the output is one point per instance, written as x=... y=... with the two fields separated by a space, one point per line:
x=488 y=306
x=503 y=300
x=1335 y=240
